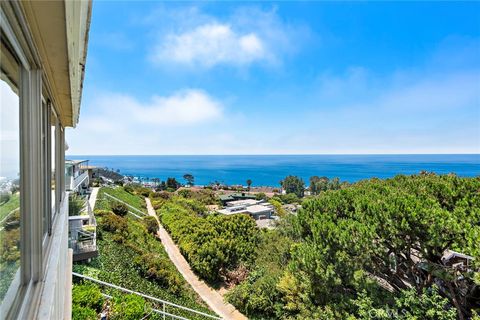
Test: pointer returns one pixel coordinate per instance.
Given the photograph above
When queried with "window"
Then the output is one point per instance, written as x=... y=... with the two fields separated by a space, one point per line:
x=53 y=162
x=9 y=177
x=45 y=114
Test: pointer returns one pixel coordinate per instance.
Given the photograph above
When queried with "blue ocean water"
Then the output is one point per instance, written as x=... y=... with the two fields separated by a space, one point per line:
x=268 y=170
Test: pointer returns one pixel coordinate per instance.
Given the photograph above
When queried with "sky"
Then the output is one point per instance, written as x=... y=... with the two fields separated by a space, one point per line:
x=280 y=78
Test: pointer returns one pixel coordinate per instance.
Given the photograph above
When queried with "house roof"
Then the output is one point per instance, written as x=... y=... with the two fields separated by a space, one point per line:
x=74 y=162
x=60 y=33
x=228 y=212
x=225 y=197
x=244 y=202
x=450 y=254
x=258 y=208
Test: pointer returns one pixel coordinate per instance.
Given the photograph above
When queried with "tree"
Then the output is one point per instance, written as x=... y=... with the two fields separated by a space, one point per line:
x=249 y=183
x=189 y=178
x=173 y=184
x=293 y=184
x=373 y=250
x=374 y=226
x=318 y=184
x=321 y=184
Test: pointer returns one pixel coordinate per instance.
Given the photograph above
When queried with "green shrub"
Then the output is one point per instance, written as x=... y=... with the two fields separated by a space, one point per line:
x=157 y=203
x=212 y=244
x=162 y=195
x=114 y=223
x=88 y=296
x=151 y=224
x=83 y=313
x=129 y=307
x=261 y=196
x=185 y=193
x=119 y=209
x=101 y=213
x=159 y=269
x=76 y=204
x=145 y=192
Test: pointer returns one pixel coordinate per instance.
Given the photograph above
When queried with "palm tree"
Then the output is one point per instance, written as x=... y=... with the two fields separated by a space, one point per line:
x=249 y=183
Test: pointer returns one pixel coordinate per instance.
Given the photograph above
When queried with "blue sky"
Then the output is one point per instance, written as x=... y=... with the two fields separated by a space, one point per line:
x=281 y=78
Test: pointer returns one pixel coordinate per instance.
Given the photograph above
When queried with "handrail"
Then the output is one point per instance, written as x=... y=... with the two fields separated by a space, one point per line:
x=116 y=199
x=164 y=302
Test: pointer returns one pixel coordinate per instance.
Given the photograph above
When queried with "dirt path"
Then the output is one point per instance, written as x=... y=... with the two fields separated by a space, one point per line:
x=211 y=297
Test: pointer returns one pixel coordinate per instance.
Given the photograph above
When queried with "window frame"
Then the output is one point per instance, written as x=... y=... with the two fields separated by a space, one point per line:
x=15 y=285
x=54 y=207
x=25 y=289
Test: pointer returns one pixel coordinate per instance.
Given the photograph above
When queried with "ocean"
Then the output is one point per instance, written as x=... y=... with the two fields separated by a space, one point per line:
x=268 y=170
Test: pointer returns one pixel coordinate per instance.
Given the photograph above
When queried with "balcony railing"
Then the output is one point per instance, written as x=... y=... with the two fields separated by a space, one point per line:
x=77 y=181
x=83 y=234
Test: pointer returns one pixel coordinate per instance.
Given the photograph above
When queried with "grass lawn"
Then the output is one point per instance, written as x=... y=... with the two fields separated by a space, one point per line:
x=12 y=204
x=134 y=200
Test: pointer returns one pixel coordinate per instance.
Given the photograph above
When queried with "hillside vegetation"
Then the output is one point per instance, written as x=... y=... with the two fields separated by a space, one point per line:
x=214 y=245
x=130 y=256
x=345 y=248
x=136 y=200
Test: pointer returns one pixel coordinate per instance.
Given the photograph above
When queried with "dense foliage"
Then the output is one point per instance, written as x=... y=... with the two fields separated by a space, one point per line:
x=213 y=244
x=131 y=257
x=76 y=205
x=205 y=197
x=88 y=302
x=320 y=184
x=119 y=209
x=293 y=184
x=372 y=247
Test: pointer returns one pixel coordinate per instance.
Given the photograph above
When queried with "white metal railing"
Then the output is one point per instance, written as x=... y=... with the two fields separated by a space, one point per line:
x=156 y=300
x=76 y=181
x=128 y=205
x=84 y=238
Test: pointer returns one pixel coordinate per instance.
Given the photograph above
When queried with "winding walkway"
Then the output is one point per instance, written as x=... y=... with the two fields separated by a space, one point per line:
x=211 y=297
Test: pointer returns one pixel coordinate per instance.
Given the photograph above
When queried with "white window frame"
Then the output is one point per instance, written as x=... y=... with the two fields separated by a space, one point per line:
x=24 y=293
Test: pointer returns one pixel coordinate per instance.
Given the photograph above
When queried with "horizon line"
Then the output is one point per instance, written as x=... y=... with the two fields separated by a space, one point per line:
x=279 y=154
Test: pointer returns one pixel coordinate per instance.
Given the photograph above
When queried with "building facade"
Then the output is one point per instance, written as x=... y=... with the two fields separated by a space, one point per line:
x=43 y=53
x=77 y=176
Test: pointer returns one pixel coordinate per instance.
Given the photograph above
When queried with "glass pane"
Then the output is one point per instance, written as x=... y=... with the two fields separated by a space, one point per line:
x=9 y=175
x=45 y=167
x=53 y=127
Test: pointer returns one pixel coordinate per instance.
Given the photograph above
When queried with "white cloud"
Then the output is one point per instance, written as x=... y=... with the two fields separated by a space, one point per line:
x=120 y=124
x=187 y=107
x=248 y=36
x=211 y=44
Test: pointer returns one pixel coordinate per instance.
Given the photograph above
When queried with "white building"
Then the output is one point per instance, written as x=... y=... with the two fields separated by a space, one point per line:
x=76 y=176
x=42 y=61
x=257 y=209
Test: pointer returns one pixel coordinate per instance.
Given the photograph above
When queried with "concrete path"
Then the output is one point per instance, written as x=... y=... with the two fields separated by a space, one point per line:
x=93 y=197
x=211 y=297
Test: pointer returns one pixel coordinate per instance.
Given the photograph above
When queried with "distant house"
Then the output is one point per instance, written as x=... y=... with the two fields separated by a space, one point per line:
x=82 y=226
x=77 y=177
x=257 y=209
x=456 y=260
x=224 y=198
x=82 y=238
x=245 y=202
